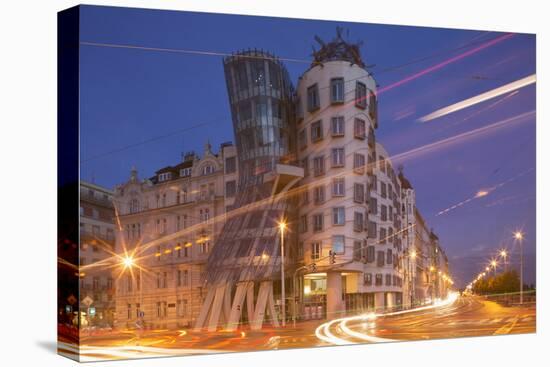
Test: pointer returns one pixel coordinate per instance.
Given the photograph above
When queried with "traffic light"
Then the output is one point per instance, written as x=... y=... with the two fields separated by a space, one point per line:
x=332 y=257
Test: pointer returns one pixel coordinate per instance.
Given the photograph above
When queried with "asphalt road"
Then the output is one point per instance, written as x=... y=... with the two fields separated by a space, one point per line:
x=465 y=316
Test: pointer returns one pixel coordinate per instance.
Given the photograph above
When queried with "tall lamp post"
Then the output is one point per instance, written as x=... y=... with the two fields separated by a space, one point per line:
x=282 y=227
x=519 y=237
x=494 y=265
x=503 y=254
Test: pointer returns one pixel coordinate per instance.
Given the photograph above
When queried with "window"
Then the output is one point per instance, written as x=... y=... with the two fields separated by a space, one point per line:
x=338 y=216
x=388 y=279
x=305 y=197
x=134 y=206
x=182 y=307
x=337 y=90
x=95 y=230
x=129 y=312
x=313 y=98
x=338 y=244
x=315 y=250
x=359 y=163
x=337 y=126
x=319 y=195
x=207 y=170
x=389 y=257
x=378 y=279
x=358 y=221
x=338 y=157
x=230 y=188
x=305 y=166
x=357 y=250
x=204 y=247
x=380 y=257
x=257 y=70
x=367 y=278
x=303 y=223
x=373 y=107
x=204 y=215
x=371 y=231
x=383 y=213
x=302 y=139
x=164 y=176
x=316 y=131
x=317 y=222
x=361 y=95
x=373 y=206
x=359 y=128
x=318 y=166
x=358 y=193
x=338 y=187
x=185 y=172
x=183 y=278
x=390 y=234
x=230 y=165
x=163 y=199
x=383 y=190
x=390 y=213
x=382 y=164
x=383 y=235
x=370 y=254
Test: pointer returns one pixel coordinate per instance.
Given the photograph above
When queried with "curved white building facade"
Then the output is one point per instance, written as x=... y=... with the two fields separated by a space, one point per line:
x=336 y=147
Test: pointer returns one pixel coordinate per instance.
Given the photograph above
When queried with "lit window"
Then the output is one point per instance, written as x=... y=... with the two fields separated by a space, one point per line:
x=315 y=250
x=338 y=216
x=338 y=244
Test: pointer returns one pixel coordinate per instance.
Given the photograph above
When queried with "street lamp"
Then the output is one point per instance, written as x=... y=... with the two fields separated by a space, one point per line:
x=518 y=235
x=503 y=254
x=282 y=227
x=494 y=265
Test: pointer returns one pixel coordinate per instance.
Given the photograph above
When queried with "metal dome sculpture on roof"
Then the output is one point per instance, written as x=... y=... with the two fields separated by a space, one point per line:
x=337 y=49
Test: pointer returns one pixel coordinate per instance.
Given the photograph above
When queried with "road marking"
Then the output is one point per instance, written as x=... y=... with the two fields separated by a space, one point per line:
x=506 y=328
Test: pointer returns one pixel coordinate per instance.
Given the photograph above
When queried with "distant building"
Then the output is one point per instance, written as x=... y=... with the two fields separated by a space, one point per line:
x=97 y=240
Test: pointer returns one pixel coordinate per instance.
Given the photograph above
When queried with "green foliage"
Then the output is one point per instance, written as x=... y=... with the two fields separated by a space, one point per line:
x=506 y=282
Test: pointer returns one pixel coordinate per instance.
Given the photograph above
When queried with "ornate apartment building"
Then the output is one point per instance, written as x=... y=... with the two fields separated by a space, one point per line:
x=97 y=243
x=167 y=225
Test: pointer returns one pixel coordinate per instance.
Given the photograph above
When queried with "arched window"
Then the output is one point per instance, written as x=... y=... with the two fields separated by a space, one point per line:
x=208 y=169
x=134 y=206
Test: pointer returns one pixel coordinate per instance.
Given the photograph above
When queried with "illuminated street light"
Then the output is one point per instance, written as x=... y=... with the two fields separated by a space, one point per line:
x=128 y=262
x=518 y=235
x=413 y=254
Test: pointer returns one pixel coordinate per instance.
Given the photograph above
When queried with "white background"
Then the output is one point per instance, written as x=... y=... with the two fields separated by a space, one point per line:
x=28 y=181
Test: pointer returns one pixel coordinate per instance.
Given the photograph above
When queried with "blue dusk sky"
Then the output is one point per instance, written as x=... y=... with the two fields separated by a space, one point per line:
x=137 y=108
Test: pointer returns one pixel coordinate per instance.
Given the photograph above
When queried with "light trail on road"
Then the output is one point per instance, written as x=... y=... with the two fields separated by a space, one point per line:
x=323 y=331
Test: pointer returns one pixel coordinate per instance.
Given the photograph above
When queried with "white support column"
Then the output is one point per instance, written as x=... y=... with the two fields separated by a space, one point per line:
x=335 y=305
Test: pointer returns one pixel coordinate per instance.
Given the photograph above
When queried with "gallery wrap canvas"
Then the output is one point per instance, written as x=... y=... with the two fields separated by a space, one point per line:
x=232 y=183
